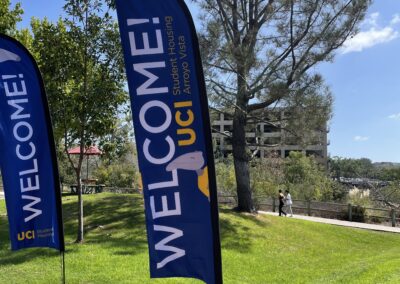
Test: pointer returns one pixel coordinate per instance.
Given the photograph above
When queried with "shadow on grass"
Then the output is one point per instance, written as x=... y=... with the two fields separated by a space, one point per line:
x=18 y=257
x=4 y=237
x=115 y=221
x=8 y=257
x=235 y=234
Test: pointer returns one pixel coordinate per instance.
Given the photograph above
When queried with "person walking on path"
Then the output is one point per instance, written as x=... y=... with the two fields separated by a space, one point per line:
x=289 y=202
x=281 y=203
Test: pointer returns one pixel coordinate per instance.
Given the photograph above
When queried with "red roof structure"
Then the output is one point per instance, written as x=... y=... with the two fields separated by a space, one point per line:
x=91 y=151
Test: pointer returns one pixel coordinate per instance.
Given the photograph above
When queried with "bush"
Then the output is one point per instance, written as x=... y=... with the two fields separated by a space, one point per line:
x=306 y=179
x=339 y=191
x=266 y=178
x=120 y=175
x=226 y=179
x=359 y=213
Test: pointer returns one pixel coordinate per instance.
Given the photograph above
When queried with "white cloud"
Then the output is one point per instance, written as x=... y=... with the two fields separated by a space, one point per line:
x=395 y=20
x=360 y=138
x=373 y=35
x=369 y=38
x=395 y=116
x=371 y=20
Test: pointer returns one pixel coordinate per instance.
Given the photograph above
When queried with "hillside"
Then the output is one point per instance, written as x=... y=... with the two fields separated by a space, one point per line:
x=386 y=165
x=260 y=249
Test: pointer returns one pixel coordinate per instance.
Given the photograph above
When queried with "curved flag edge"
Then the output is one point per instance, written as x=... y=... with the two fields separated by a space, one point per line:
x=208 y=141
x=50 y=135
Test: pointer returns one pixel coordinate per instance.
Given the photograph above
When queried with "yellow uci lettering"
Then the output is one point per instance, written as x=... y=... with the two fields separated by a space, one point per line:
x=21 y=236
x=192 y=136
x=187 y=122
x=183 y=104
x=30 y=235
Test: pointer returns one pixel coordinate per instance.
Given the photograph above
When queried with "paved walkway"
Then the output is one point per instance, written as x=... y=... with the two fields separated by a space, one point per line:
x=1 y=195
x=341 y=223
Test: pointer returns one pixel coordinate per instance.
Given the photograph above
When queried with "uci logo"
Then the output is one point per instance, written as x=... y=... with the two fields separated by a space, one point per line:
x=29 y=235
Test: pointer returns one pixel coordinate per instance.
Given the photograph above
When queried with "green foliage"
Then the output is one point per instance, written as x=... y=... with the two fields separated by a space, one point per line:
x=81 y=61
x=262 y=54
x=25 y=37
x=52 y=46
x=117 y=175
x=300 y=174
x=360 y=200
x=119 y=170
x=266 y=177
x=389 y=174
x=117 y=144
x=67 y=173
x=225 y=173
x=386 y=193
x=305 y=179
x=339 y=191
x=82 y=65
x=9 y=17
x=359 y=214
x=352 y=168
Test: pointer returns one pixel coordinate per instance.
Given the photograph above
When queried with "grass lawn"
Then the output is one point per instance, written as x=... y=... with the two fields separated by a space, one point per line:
x=263 y=249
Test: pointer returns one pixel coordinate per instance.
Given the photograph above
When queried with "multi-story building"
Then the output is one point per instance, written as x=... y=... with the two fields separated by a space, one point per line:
x=265 y=139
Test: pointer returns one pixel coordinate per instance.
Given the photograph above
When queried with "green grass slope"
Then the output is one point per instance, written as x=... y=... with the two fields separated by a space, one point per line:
x=262 y=249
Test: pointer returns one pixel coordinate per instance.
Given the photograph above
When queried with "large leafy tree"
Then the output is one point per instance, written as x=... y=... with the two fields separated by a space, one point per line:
x=260 y=54
x=352 y=168
x=82 y=65
x=9 y=17
x=305 y=179
x=116 y=144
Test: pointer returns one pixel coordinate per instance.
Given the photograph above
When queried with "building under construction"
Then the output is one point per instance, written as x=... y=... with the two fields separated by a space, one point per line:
x=266 y=138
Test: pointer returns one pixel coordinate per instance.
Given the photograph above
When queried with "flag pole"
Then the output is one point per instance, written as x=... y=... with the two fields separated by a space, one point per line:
x=62 y=260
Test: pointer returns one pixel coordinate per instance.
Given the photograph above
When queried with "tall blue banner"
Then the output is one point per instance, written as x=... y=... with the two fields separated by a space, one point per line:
x=27 y=152
x=173 y=137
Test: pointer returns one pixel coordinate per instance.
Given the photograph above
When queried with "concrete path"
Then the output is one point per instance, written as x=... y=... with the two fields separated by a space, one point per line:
x=340 y=223
x=1 y=195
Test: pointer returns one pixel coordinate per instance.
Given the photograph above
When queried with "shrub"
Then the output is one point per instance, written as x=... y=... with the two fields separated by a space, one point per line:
x=305 y=179
x=359 y=213
x=119 y=175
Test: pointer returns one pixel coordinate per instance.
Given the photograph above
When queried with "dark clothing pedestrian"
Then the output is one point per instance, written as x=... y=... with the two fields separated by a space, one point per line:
x=281 y=204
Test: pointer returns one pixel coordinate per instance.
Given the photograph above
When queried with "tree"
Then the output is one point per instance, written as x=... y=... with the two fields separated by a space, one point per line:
x=260 y=54
x=305 y=179
x=118 y=167
x=389 y=174
x=9 y=17
x=352 y=168
x=225 y=174
x=267 y=177
x=117 y=143
x=81 y=61
x=120 y=171
x=387 y=191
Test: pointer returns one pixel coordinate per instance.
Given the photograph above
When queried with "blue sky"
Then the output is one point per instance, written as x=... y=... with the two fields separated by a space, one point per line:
x=364 y=78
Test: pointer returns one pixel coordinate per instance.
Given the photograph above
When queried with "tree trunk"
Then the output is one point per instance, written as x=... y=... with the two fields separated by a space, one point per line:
x=241 y=159
x=79 y=238
x=82 y=139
